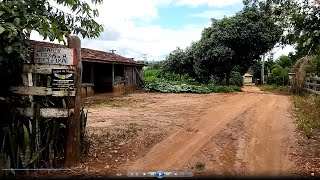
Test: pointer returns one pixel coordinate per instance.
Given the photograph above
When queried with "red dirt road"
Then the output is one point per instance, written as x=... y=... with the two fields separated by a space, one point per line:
x=245 y=133
x=259 y=144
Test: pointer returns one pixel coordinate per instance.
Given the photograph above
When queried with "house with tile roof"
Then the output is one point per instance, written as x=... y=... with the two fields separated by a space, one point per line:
x=103 y=72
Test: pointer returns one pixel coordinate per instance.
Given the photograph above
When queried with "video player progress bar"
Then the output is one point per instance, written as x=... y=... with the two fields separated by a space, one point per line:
x=160 y=174
x=40 y=169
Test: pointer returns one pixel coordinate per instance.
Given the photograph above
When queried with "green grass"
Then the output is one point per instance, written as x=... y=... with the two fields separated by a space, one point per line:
x=268 y=87
x=275 y=88
x=307 y=114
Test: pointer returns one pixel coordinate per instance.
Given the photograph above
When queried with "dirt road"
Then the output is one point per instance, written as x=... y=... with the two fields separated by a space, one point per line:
x=247 y=133
x=260 y=139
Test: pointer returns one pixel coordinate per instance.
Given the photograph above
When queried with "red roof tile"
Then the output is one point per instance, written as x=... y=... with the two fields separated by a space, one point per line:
x=89 y=54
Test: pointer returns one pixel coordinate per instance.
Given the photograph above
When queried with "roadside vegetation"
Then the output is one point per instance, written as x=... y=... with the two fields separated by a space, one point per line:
x=275 y=89
x=156 y=81
x=307 y=113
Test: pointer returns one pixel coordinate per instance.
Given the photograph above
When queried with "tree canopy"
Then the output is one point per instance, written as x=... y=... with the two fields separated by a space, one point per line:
x=19 y=17
x=234 y=42
x=301 y=22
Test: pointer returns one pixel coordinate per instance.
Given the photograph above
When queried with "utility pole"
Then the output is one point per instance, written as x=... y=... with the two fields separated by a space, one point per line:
x=262 y=69
x=113 y=50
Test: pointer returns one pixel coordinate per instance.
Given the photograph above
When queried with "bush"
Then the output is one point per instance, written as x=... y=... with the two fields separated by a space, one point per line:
x=174 y=83
x=150 y=75
x=236 y=79
x=165 y=86
x=279 y=76
x=175 y=87
x=185 y=79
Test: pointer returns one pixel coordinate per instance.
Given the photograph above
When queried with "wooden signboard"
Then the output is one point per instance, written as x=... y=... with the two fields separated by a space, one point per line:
x=62 y=79
x=61 y=56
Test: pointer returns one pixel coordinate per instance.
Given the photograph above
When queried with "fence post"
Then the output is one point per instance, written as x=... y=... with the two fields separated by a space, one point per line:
x=72 y=149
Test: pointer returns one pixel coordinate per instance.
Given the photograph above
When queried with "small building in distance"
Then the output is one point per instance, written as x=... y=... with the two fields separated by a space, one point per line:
x=247 y=78
x=103 y=72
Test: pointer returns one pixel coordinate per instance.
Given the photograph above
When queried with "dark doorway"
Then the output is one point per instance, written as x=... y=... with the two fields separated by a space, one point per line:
x=102 y=77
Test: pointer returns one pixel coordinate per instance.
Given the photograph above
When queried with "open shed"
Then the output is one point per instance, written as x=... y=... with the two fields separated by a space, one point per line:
x=104 y=72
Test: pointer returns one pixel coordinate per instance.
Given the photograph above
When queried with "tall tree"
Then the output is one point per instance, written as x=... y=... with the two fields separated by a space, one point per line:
x=237 y=40
x=180 y=61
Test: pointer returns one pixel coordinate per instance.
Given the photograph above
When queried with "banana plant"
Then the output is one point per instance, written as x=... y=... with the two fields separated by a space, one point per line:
x=33 y=142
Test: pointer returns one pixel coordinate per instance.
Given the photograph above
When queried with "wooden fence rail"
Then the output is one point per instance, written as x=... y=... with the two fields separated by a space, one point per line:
x=312 y=85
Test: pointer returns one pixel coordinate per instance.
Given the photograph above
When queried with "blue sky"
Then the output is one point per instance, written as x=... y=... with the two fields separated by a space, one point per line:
x=156 y=27
x=176 y=17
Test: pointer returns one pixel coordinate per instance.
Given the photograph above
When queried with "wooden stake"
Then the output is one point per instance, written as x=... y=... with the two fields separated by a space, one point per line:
x=72 y=150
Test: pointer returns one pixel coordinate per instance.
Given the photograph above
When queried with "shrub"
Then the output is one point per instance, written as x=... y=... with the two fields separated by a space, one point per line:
x=165 y=86
x=174 y=83
x=150 y=75
x=236 y=79
x=279 y=76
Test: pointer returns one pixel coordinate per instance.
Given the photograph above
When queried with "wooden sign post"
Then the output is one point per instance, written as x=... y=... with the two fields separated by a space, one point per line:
x=72 y=150
x=62 y=68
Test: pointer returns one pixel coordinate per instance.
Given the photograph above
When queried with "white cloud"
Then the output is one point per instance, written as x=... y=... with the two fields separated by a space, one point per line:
x=154 y=41
x=211 y=3
x=212 y=14
x=283 y=51
x=129 y=39
x=121 y=32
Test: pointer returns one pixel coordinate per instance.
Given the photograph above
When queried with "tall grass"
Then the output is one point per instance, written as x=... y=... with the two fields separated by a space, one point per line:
x=275 y=88
x=307 y=114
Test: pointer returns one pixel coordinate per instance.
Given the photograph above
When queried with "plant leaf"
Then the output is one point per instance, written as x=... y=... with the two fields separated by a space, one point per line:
x=25 y=137
x=2 y=29
x=9 y=49
x=36 y=155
